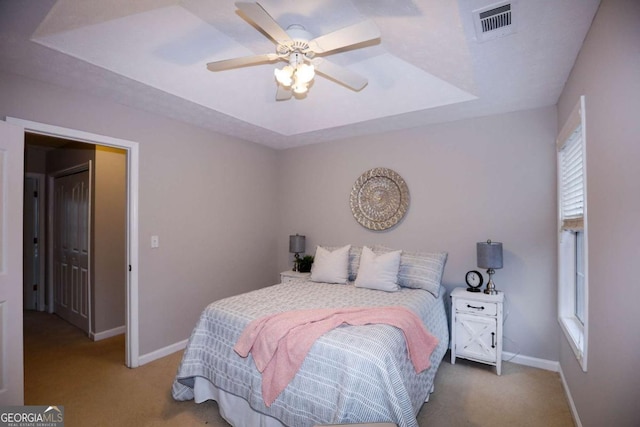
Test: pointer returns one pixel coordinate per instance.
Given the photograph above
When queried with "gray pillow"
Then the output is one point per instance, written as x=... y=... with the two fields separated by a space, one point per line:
x=420 y=270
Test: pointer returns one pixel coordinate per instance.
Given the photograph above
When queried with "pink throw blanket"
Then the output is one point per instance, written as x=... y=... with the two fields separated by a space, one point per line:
x=280 y=342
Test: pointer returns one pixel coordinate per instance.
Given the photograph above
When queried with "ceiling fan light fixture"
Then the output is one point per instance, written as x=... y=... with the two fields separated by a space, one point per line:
x=300 y=88
x=284 y=76
x=296 y=76
x=305 y=73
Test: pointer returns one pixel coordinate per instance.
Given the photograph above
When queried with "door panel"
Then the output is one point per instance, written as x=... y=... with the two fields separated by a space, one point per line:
x=476 y=337
x=11 y=187
x=71 y=248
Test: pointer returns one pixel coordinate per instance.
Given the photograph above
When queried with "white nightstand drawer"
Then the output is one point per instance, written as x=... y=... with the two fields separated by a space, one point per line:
x=478 y=307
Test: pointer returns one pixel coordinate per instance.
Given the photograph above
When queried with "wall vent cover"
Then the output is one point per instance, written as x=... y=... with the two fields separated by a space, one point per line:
x=494 y=21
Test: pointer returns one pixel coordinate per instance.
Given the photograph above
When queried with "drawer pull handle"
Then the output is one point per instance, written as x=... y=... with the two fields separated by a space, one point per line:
x=493 y=340
x=474 y=307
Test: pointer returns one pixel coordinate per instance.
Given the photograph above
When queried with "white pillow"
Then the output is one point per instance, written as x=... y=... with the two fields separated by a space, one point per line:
x=331 y=266
x=378 y=271
x=354 y=260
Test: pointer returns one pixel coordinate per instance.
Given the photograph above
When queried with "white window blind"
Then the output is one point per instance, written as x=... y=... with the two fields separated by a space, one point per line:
x=572 y=181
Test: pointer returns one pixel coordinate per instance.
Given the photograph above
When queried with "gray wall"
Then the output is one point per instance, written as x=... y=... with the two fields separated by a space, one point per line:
x=223 y=207
x=209 y=197
x=35 y=160
x=472 y=180
x=607 y=72
x=73 y=154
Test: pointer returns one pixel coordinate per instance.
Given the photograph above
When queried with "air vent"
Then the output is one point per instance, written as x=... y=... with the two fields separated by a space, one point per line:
x=494 y=21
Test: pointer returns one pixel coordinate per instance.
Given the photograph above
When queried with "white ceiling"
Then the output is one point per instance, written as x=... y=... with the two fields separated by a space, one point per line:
x=428 y=66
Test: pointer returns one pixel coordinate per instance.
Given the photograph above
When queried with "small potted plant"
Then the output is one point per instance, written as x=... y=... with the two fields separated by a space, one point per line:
x=305 y=263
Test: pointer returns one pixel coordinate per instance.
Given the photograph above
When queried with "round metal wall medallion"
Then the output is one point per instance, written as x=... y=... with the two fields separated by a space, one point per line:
x=379 y=199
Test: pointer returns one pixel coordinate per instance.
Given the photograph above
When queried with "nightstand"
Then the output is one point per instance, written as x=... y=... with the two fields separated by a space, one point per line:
x=476 y=327
x=290 y=276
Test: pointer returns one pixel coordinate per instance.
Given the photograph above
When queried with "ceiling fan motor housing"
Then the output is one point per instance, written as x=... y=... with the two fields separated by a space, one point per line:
x=299 y=41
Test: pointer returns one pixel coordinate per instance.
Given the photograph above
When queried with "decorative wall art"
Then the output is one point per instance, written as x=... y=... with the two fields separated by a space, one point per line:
x=379 y=199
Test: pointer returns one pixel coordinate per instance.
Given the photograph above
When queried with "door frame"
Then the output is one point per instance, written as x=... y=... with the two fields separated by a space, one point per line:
x=11 y=260
x=42 y=239
x=132 y=338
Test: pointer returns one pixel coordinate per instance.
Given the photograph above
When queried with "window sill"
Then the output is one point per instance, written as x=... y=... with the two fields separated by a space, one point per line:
x=574 y=331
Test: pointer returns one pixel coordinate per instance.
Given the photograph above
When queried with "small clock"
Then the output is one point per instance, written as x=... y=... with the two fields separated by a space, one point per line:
x=474 y=280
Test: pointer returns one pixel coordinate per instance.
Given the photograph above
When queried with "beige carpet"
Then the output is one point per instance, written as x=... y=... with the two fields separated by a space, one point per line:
x=63 y=367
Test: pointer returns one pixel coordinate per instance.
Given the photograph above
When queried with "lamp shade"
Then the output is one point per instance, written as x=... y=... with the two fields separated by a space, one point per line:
x=296 y=243
x=489 y=254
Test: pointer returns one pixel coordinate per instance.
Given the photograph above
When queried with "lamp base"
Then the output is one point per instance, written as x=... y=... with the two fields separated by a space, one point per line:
x=296 y=262
x=491 y=287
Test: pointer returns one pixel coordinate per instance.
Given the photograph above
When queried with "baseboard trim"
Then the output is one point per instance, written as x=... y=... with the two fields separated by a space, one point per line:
x=572 y=405
x=534 y=362
x=162 y=352
x=108 y=334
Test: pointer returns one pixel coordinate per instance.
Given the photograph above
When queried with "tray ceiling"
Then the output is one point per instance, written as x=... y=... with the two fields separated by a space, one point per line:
x=427 y=67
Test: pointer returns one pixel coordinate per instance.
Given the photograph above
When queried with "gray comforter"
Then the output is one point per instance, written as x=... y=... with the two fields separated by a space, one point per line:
x=352 y=374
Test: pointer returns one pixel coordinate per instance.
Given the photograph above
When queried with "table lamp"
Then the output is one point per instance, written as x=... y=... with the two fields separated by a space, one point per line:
x=489 y=257
x=296 y=246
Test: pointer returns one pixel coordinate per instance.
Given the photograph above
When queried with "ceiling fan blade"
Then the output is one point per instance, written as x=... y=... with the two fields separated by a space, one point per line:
x=261 y=17
x=243 y=61
x=340 y=74
x=283 y=93
x=348 y=36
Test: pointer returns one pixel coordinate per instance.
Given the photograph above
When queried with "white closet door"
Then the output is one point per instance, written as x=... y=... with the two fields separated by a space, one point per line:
x=71 y=208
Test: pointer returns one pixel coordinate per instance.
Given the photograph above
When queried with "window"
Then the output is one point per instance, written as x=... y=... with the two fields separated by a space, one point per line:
x=572 y=239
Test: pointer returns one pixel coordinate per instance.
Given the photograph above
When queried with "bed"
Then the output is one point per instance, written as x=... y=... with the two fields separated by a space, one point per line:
x=352 y=374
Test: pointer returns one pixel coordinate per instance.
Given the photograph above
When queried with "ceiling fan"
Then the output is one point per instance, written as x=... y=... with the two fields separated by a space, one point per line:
x=304 y=54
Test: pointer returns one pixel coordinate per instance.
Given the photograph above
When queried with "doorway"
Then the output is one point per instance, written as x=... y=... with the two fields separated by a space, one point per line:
x=131 y=264
x=85 y=244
